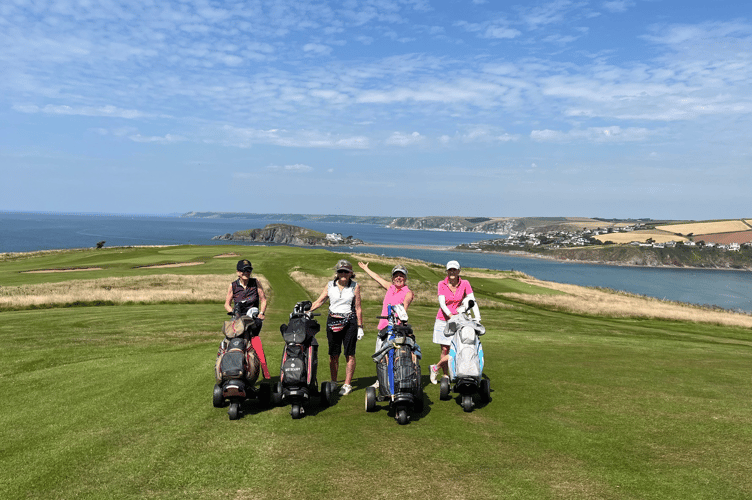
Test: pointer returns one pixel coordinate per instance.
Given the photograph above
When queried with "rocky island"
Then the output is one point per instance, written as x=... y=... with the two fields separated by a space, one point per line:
x=286 y=234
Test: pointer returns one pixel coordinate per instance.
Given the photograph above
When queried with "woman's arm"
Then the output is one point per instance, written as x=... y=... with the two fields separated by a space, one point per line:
x=443 y=306
x=408 y=298
x=358 y=308
x=262 y=300
x=322 y=298
x=228 y=299
x=381 y=281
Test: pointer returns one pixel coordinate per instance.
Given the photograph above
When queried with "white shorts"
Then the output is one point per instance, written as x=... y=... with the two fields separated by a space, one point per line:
x=438 y=333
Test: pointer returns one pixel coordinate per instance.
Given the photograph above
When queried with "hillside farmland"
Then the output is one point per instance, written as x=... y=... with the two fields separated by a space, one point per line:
x=726 y=238
x=641 y=236
x=697 y=228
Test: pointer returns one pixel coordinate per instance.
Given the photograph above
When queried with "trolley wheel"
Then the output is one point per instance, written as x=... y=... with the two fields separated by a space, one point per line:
x=326 y=394
x=234 y=411
x=218 y=400
x=265 y=393
x=402 y=417
x=444 y=389
x=277 y=394
x=370 y=399
x=296 y=411
x=485 y=390
x=467 y=402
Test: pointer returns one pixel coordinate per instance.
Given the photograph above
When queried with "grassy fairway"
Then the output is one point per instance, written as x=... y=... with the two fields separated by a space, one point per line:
x=112 y=398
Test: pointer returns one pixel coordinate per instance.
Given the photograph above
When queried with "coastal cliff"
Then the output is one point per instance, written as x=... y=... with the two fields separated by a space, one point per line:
x=286 y=234
x=628 y=255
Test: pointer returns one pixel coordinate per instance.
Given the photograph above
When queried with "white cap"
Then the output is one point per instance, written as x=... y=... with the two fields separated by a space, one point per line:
x=453 y=264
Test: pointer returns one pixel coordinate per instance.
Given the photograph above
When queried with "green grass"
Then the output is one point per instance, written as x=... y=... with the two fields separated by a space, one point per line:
x=115 y=401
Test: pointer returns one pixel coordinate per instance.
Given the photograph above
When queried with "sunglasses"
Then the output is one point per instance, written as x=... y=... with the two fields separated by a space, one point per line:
x=342 y=271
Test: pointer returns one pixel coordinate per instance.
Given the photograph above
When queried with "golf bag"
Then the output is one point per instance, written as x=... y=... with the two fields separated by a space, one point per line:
x=237 y=367
x=465 y=358
x=297 y=376
x=397 y=368
x=465 y=350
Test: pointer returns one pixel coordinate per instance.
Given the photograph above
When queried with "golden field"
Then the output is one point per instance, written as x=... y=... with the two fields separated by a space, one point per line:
x=641 y=236
x=697 y=228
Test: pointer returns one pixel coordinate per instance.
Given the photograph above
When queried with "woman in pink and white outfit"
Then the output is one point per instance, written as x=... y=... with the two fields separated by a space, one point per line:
x=397 y=292
x=452 y=291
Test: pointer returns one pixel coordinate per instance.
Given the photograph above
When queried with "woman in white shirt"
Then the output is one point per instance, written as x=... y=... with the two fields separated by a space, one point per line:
x=344 y=325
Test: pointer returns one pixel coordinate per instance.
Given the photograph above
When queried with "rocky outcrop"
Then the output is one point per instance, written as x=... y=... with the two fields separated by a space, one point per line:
x=285 y=234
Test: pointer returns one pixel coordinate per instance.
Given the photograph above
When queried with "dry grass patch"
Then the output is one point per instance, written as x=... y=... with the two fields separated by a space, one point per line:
x=622 y=305
x=135 y=289
x=725 y=226
x=224 y=255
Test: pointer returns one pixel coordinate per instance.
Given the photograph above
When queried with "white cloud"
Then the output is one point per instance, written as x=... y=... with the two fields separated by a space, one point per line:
x=229 y=135
x=298 y=167
x=110 y=111
x=618 y=6
x=613 y=134
x=400 y=139
x=317 y=49
x=167 y=139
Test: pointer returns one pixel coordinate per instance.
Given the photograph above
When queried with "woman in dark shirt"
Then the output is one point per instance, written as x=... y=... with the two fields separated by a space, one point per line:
x=243 y=294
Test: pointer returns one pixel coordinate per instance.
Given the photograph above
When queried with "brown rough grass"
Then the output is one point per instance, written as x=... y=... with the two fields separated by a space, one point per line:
x=155 y=288
x=697 y=228
x=623 y=305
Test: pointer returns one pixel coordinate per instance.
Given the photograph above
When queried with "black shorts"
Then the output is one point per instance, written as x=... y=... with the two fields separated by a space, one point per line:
x=347 y=337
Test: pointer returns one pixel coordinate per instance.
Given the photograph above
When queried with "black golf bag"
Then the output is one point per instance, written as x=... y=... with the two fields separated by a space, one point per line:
x=297 y=376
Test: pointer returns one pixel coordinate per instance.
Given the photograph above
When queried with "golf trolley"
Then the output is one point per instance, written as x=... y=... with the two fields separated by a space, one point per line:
x=237 y=366
x=466 y=359
x=297 y=377
x=397 y=368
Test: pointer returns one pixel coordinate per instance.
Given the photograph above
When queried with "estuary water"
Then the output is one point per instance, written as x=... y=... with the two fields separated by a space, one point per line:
x=25 y=232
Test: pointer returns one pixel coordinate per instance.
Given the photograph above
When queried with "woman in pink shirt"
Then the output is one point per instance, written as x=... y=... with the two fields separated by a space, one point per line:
x=397 y=292
x=452 y=291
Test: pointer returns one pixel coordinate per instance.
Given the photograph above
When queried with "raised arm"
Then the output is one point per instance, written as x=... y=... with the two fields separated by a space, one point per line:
x=381 y=281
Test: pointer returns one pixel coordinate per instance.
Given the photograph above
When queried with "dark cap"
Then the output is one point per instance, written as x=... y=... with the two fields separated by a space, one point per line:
x=244 y=265
x=344 y=265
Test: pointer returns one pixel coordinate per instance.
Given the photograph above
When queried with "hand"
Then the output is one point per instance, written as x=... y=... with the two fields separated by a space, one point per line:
x=363 y=266
x=360 y=333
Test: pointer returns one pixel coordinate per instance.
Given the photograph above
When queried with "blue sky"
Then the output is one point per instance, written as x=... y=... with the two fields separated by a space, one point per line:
x=616 y=108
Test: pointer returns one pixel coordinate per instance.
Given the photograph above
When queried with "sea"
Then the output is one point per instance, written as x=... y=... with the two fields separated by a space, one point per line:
x=26 y=232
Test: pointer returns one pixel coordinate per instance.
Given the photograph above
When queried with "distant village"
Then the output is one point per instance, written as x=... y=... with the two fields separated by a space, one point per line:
x=587 y=237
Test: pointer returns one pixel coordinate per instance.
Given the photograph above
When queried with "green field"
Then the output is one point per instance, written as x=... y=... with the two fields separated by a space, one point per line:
x=113 y=400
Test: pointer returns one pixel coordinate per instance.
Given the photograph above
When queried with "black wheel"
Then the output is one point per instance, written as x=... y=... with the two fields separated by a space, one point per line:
x=326 y=394
x=370 y=399
x=265 y=393
x=485 y=390
x=467 y=402
x=218 y=400
x=444 y=389
x=277 y=394
x=234 y=411
x=296 y=412
x=402 y=417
